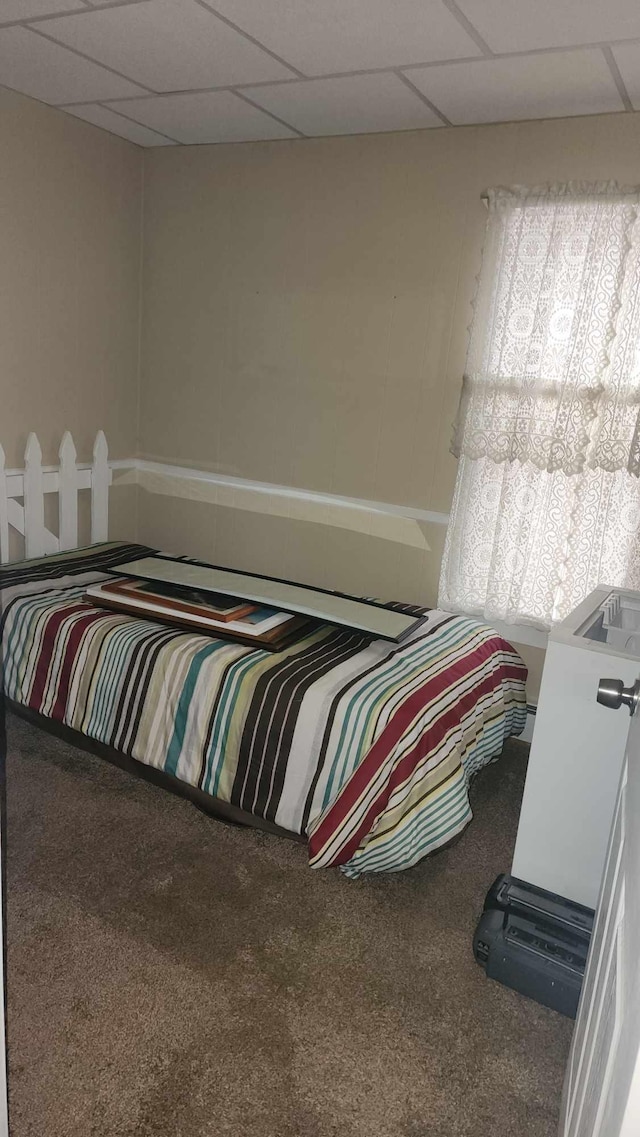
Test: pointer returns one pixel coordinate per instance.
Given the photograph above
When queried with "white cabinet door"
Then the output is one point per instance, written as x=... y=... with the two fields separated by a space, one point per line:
x=602 y=1083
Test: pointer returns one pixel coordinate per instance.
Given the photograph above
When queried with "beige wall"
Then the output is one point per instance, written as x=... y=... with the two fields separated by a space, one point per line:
x=305 y=320
x=534 y=660
x=70 y=246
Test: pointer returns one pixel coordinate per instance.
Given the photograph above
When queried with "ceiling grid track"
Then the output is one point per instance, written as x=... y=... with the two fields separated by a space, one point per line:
x=146 y=69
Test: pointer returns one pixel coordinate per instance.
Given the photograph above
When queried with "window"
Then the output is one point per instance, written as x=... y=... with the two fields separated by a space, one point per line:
x=547 y=498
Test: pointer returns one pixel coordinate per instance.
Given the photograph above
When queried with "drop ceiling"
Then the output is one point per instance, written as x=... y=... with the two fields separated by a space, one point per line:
x=171 y=72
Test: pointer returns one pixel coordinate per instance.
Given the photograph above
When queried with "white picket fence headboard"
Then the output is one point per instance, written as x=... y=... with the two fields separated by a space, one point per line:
x=30 y=485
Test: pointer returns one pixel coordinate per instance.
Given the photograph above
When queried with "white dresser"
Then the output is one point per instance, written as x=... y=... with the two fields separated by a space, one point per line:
x=577 y=748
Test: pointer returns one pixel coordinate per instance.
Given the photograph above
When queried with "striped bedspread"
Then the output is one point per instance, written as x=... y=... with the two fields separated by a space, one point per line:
x=367 y=747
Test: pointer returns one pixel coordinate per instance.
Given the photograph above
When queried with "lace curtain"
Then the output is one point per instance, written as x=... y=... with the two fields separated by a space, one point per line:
x=547 y=499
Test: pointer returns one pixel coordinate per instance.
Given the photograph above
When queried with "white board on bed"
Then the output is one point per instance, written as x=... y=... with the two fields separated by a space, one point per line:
x=22 y=497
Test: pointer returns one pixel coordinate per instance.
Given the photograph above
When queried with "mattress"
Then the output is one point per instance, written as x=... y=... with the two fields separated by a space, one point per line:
x=364 y=746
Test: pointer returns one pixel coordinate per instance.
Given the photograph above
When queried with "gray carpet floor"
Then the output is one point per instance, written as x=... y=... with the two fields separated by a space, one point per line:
x=172 y=976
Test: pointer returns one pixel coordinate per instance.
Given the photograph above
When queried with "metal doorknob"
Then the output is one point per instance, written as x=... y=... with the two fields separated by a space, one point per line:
x=612 y=693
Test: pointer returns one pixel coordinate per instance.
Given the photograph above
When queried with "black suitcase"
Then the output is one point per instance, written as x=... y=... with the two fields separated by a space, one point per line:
x=535 y=942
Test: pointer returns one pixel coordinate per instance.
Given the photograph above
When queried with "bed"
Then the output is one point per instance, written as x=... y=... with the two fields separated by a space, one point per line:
x=363 y=748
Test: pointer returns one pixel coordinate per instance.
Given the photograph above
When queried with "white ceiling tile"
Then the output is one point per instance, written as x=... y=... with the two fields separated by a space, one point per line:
x=538 y=86
x=168 y=45
x=37 y=67
x=324 y=36
x=215 y=116
x=627 y=57
x=31 y=9
x=116 y=124
x=523 y=25
x=354 y=104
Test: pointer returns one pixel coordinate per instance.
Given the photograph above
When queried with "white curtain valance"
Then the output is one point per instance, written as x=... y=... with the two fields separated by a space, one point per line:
x=553 y=369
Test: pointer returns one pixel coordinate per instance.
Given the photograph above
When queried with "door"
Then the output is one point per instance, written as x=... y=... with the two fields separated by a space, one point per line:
x=602 y=1084
x=4 y=1119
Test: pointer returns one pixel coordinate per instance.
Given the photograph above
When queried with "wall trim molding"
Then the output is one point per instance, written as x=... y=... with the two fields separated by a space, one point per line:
x=192 y=474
